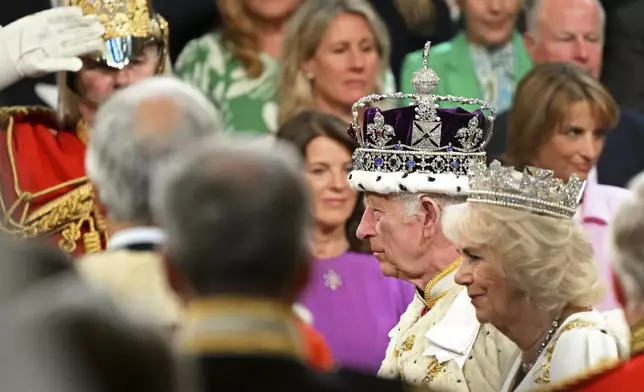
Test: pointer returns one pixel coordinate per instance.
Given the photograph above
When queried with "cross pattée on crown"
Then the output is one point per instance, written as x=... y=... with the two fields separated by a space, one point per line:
x=427 y=125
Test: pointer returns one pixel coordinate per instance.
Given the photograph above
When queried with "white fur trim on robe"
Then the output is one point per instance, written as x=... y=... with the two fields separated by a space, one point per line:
x=484 y=369
x=388 y=183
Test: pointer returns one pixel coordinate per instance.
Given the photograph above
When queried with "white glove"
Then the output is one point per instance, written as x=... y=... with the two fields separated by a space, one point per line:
x=48 y=41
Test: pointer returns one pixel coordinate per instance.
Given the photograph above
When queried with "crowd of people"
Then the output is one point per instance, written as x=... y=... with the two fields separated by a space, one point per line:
x=323 y=195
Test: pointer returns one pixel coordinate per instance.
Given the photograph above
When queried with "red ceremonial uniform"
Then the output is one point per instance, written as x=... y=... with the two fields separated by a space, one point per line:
x=44 y=189
x=622 y=376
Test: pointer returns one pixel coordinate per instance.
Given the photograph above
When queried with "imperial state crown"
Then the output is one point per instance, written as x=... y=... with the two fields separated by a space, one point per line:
x=419 y=148
x=535 y=190
x=130 y=26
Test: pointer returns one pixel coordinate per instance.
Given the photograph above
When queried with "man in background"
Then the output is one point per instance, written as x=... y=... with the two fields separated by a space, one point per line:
x=237 y=223
x=572 y=31
x=135 y=130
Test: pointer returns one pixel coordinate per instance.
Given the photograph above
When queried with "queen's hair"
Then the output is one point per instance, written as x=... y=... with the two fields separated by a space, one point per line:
x=626 y=245
x=541 y=103
x=550 y=259
x=301 y=40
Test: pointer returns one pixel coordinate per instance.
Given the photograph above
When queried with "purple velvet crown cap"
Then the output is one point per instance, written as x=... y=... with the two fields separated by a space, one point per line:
x=403 y=121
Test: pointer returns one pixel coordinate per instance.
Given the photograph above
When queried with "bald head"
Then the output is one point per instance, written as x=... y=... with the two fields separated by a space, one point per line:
x=570 y=31
x=134 y=131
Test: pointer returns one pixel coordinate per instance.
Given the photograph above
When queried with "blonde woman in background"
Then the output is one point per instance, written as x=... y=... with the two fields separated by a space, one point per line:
x=334 y=53
x=559 y=120
x=236 y=67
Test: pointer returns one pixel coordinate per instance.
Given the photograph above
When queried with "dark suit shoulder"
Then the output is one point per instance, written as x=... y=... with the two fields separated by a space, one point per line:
x=252 y=373
x=361 y=381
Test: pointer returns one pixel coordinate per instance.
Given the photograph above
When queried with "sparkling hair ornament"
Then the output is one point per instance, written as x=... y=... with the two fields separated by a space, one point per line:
x=420 y=147
x=535 y=190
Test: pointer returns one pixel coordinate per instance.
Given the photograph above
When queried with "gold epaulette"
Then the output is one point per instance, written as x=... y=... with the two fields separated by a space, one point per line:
x=7 y=112
x=578 y=380
x=67 y=214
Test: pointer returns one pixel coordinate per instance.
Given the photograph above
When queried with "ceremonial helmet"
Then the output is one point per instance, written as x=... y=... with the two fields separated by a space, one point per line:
x=130 y=27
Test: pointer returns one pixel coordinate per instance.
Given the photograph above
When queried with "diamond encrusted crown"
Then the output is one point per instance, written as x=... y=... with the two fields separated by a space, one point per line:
x=421 y=137
x=535 y=190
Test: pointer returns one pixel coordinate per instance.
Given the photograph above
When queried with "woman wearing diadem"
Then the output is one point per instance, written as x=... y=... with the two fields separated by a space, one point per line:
x=530 y=272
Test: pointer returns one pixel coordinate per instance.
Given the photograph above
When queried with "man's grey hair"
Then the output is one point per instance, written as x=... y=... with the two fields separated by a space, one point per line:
x=134 y=130
x=236 y=214
x=533 y=15
x=627 y=247
x=411 y=202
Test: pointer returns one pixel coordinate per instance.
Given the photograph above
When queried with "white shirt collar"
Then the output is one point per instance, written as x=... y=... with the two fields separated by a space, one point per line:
x=136 y=235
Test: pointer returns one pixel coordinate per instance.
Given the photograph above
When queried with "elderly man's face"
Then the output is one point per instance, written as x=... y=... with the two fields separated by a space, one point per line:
x=397 y=241
x=569 y=31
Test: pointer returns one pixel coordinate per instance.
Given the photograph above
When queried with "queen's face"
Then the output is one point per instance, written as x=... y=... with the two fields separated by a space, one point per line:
x=492 y=294
x=98 y=82
x=395 y=241
x=575 y=145
x=328 y=164
x=344 y=67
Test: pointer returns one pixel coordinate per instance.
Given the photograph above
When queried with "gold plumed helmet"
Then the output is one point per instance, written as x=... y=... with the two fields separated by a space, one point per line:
x=130 y=26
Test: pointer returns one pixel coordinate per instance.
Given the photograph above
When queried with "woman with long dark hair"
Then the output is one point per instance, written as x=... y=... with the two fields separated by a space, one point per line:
x=353 y=305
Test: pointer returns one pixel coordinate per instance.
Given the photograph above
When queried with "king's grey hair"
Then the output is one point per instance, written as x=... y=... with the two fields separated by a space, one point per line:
x=533 y=15
x=411 y=202
x=124 y=149
x=236 y=214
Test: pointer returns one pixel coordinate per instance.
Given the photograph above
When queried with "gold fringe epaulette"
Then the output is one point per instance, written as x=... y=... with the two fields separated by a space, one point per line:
x=582 y=379
x=49 y=115
x=69 y=214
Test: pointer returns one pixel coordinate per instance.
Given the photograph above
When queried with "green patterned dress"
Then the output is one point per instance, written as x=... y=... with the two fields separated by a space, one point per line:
x=245 y=104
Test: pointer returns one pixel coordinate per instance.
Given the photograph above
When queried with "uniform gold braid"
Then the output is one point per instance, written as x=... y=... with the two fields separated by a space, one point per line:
x=67 y=214
x=429 y=301
x=637 y=339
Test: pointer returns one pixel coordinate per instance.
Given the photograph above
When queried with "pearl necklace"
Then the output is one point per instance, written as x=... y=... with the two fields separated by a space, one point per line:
x=527 y=366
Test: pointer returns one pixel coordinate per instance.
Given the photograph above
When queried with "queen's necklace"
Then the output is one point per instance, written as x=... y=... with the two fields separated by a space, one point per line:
x=527 y=366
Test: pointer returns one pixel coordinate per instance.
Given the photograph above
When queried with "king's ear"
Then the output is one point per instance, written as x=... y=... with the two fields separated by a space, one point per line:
x=430 y=215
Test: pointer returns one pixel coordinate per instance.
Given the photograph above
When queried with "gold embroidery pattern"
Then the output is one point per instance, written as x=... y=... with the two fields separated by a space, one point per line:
x=544 y=377
x=121 y=18
x=637 y=339
x=579 y=380
x=68 y=214
x=434 y=369
x=408 y=344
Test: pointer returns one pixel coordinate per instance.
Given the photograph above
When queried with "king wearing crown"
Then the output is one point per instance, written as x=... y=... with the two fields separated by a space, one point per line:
x=97 y=47
x=412 y=162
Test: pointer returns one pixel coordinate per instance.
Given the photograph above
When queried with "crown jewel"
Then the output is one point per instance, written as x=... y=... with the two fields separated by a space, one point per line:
x=420 y=138
x=535 y=190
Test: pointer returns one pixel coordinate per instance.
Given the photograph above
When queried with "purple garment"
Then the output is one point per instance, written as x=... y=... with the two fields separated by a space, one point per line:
x=356 y=317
